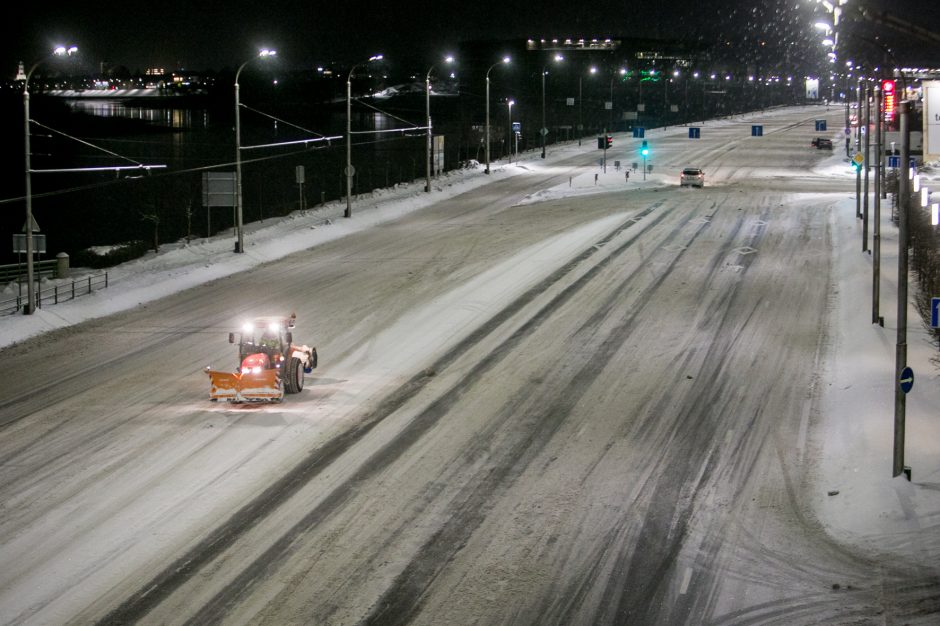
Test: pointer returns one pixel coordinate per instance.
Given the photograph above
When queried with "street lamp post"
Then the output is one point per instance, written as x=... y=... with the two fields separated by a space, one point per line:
x=239 y=226
x=350 y=172
x=427 y=106
x=542 y=131
x=30 y=250
x=509 y=104
x=503 y=61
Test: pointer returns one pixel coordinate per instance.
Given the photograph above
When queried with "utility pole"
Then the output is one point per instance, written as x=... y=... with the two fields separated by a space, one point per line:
x=904 y=185
x=876 y=240
x=867 y=154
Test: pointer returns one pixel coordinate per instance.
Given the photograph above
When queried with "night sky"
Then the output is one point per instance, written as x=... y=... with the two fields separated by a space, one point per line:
x=213 y=34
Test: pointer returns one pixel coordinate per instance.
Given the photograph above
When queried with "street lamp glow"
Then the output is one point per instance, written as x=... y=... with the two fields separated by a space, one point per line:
x=350 y=170
x=825 y=26
x=543 y=131
x=593 y=70
x=239 y=227
x=828 y=42
x=30 y=249
x=504 y=61
x=427 y=104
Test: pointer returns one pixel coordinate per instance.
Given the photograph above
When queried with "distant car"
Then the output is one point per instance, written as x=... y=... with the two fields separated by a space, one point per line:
x=822 y=143
x=692 y=176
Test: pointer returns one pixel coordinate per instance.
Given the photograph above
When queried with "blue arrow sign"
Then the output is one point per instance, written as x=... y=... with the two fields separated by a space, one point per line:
x=894 y=161
x=639 y=132
x=906 y=379
x=935 y=312
x=757 y=131
x=820 y=125
x=695 y=133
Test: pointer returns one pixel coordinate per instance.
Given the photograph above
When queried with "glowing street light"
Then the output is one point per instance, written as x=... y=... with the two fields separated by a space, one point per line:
x=239 y=229
x=543 y=131
x=427 y=102
x=31 y=294
x=504 y=61
x=350 y=172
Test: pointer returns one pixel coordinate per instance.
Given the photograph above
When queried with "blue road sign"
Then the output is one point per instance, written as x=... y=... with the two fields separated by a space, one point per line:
x=906 y=379
x=820 y=125
x=639 y=132
x=757 y=131
x=894 y=161
x=695 y=133
x=517 y=127
x=935 y=312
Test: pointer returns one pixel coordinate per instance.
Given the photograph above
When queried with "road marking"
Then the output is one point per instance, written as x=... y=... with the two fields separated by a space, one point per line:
x=686 y=579
x=729 y=436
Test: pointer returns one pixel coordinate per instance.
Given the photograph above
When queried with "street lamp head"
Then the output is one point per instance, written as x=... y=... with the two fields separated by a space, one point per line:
x=267 y=52
x=593 y=70
x=449 y=59
x=512 y=102
x=559 y=57
x=377 y=57
x=506 y=59
x=65 y=51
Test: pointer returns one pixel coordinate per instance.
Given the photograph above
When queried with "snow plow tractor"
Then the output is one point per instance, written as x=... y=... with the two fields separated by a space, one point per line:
x=270 y=364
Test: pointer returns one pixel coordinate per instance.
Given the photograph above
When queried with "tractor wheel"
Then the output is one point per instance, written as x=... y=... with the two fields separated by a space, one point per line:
x=294 y=376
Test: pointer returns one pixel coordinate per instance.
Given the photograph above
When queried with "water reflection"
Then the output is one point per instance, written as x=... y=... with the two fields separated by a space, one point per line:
x=166 y=117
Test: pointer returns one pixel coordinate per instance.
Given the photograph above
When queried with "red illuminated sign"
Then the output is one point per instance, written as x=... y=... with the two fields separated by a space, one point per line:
x=887 y=86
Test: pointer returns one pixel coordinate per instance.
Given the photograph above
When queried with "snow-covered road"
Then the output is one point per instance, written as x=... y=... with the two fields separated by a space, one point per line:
x=533 y=406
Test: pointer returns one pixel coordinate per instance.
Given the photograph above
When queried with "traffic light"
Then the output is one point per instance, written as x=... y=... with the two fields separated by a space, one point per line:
x=610 y=141
x=600 y=143
x=644 y=149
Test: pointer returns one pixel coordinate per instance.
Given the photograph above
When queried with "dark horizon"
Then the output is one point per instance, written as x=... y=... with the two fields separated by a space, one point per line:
x=412 y=34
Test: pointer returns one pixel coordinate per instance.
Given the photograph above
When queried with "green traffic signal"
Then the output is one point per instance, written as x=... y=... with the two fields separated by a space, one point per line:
x=644 y=149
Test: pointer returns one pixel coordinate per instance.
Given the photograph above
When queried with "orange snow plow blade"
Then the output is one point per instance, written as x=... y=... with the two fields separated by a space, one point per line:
x=264 y=386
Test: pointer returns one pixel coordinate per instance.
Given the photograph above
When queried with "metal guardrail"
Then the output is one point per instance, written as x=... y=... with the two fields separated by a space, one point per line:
x=57 y=293
x=14 y=271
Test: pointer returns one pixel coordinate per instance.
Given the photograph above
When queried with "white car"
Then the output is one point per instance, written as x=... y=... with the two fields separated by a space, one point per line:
x=692 y=176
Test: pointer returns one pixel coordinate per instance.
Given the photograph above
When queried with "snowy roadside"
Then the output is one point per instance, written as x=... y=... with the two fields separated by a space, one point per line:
x=854 y=496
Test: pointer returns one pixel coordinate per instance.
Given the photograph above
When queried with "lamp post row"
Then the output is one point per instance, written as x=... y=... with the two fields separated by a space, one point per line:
x=239 y=207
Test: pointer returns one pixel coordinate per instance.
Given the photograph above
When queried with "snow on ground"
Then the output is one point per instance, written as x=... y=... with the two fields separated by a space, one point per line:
x=853 y=431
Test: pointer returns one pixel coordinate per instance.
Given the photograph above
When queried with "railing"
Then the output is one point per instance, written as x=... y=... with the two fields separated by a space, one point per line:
x=57 y=293
x=14 y=271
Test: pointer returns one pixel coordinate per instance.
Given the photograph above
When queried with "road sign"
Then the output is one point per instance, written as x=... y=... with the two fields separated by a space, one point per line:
x=859 y=158
x=820 y=125
x=35 y=227
x=350 y=171
x=517 y=127
x=19 y=243
x=906 y=380
x=695 y=133
x=639 y=132
x=544 y=131
x=218 y=189
x=894 y=161
x=935 y=312
x=757 y=131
